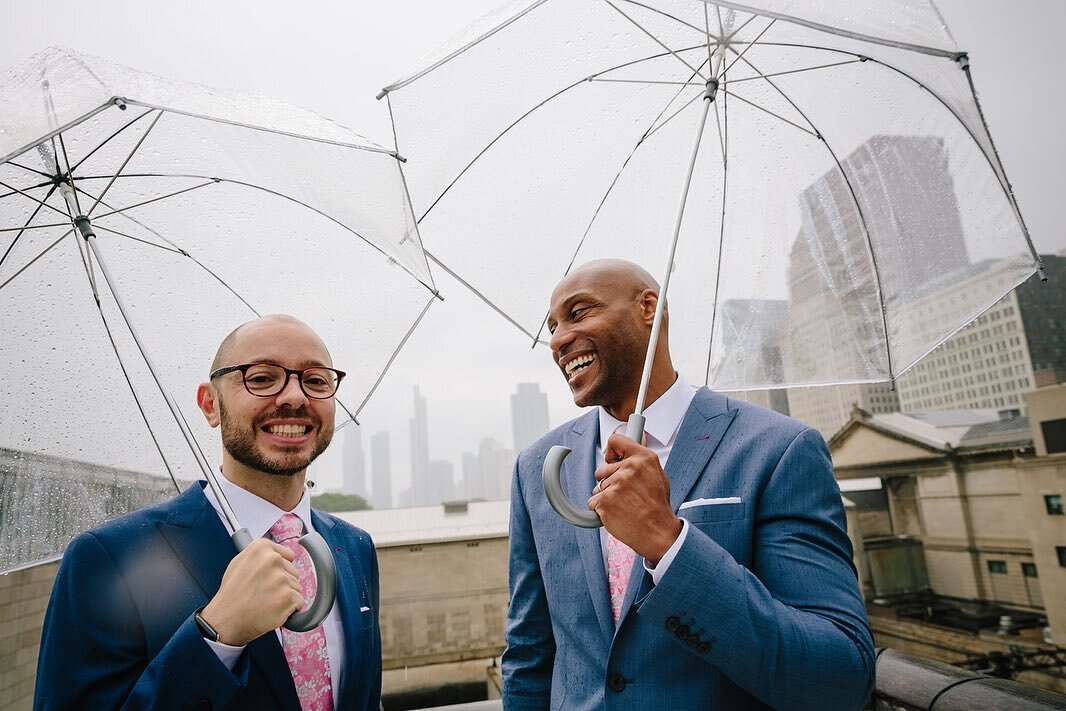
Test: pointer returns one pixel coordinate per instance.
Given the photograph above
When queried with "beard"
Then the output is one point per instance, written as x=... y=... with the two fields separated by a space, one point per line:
x=240 y=443
x=620 y=355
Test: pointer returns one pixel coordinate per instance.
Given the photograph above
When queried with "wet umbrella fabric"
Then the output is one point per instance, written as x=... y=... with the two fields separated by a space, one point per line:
x=846 y=210
x=208 y=207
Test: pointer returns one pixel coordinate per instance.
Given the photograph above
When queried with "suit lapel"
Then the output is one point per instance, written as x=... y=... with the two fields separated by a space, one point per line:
x=578 y=479
x=201 y=542
x=350 y=597
x=701 y=430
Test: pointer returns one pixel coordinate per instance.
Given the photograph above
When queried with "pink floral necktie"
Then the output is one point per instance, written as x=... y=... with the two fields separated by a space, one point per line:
x=619 y=564
x=305 y=651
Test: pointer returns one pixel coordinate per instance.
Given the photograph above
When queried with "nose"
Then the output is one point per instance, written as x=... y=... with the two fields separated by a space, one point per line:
x=559 y=339
x=292 y=394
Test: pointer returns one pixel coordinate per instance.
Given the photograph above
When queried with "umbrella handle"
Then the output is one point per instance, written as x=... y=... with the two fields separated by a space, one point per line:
x=325 y=573
x=553 y=489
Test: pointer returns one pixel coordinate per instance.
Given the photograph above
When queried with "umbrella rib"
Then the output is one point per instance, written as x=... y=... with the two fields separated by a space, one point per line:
x=28 y=264
x=173 y=250
x=26 y=195
x=122 y=167
x=794 y=71
x=723 y=128
x=671 y=117
x=768 y=111
x=858 y=210
x=749 y=46
x=26 y=226
x=648 y=81
x=32 y=227
x=125 y=373
x=118 y=211
x=432 y=257
x=70 y=173
x=656 y=39
x=395 y=353
x=277 y=194
x=114 y=135
x=29 y=169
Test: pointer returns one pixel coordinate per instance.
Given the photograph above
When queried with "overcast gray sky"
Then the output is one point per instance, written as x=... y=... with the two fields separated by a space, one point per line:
x=333 y=57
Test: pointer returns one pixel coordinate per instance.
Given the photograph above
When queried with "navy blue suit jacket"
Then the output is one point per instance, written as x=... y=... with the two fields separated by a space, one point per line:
x=760 y=607
x=120 y=634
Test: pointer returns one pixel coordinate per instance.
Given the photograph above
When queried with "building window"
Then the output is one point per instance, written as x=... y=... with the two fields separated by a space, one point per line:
x=1053 y=504
x=1000 y=566
x=1061 y=551
x=1054 y=435
x=1029 y=570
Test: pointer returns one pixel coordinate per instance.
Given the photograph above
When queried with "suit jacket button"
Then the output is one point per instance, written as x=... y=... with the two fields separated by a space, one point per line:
x=672 y=623
x=681 y=632
x=616 y=682
x=692 y=640
x=704 y=647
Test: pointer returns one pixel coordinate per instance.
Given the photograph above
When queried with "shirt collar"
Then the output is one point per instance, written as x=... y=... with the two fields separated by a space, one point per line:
x=255 y=513
x=662 y=418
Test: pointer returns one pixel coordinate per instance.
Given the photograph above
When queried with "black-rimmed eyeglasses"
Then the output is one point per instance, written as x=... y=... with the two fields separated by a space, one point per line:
x=268 y=379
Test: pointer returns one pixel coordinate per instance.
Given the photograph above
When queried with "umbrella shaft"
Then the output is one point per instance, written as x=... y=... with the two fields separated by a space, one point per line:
x=660 y=306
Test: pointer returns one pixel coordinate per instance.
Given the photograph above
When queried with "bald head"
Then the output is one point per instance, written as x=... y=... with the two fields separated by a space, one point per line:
x=229 y=344
x=617 y=271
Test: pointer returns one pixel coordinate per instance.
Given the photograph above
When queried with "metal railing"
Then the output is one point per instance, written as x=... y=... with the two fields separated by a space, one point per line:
x=907 y=682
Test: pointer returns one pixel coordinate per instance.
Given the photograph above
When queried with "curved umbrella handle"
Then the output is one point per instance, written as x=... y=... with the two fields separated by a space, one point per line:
x=325 y=573
x=553 y=488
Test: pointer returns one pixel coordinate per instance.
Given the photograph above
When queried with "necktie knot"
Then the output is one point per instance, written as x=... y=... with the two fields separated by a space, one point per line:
x=287 y=527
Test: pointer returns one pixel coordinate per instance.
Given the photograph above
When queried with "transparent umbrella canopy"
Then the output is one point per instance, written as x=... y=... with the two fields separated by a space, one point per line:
x=131 y=203
x=814 y=181
x=846 y=210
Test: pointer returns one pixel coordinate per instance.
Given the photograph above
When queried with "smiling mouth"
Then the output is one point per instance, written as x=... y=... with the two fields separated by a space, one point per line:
x=288 y=430
x=577 y=365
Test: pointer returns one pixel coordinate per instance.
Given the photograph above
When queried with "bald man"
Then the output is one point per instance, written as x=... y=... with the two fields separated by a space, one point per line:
x=722 y=577
x=156 y=609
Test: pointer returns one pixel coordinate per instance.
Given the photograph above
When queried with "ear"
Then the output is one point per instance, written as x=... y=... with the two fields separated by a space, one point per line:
x=648 y=301
x=207 y=400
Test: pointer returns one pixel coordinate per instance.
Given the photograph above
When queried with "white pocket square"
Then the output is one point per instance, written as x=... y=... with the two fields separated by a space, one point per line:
x=709 y=502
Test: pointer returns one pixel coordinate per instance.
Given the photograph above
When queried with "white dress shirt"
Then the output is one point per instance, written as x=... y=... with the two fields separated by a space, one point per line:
x=662 y=421
x=258 y=516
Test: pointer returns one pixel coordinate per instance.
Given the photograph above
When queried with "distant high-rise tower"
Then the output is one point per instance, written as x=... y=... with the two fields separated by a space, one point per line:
x=354 y=474
x=496 y=463
x=529 y=415
x=442 y=476
x=473 y=484
x=420 y=483
x=381 y=470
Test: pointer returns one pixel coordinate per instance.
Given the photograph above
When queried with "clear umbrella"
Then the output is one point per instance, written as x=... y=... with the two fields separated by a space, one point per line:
x=842 y=207
x=141 y=219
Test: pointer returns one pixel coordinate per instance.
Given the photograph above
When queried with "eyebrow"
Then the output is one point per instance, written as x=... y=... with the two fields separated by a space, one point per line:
x=301 y=366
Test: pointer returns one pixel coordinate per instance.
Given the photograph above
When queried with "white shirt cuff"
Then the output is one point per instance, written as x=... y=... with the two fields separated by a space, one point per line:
x=226 y=654
x=659 y=571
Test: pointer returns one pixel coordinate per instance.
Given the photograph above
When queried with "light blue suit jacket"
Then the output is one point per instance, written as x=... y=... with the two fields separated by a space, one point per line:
x=760 y=608
x=120 y=634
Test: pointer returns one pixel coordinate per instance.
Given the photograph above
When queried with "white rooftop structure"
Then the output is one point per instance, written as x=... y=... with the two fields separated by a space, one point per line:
x=451 y=521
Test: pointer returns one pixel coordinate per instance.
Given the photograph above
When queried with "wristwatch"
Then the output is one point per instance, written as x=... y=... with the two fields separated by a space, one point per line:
x=206 y=630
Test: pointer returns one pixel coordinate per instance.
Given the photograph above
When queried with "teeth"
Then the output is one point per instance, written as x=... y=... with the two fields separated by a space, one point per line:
x=288 y=430
x=578 y=362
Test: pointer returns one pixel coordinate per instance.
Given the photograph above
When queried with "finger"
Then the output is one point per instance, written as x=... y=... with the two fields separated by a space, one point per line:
x=606 y=470
x=286 y=553
x=622 y=446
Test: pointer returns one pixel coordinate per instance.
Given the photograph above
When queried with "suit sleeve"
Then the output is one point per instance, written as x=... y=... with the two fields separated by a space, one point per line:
x=374 y=699
x=93 y=647
x=530 y=654
x=791 y=630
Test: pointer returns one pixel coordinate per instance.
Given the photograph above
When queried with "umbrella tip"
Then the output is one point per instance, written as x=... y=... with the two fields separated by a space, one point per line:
x=381 y=94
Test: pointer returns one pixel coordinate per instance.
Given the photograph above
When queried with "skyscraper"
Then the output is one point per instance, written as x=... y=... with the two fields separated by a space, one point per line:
x=529 y=415
x=473 y=485
x=496 y=463
x=354 y=474
x=381 y=470
x=442 y=481
x=420 y=483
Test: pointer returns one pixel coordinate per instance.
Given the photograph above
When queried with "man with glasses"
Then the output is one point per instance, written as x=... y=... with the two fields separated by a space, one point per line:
x=157 y=609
